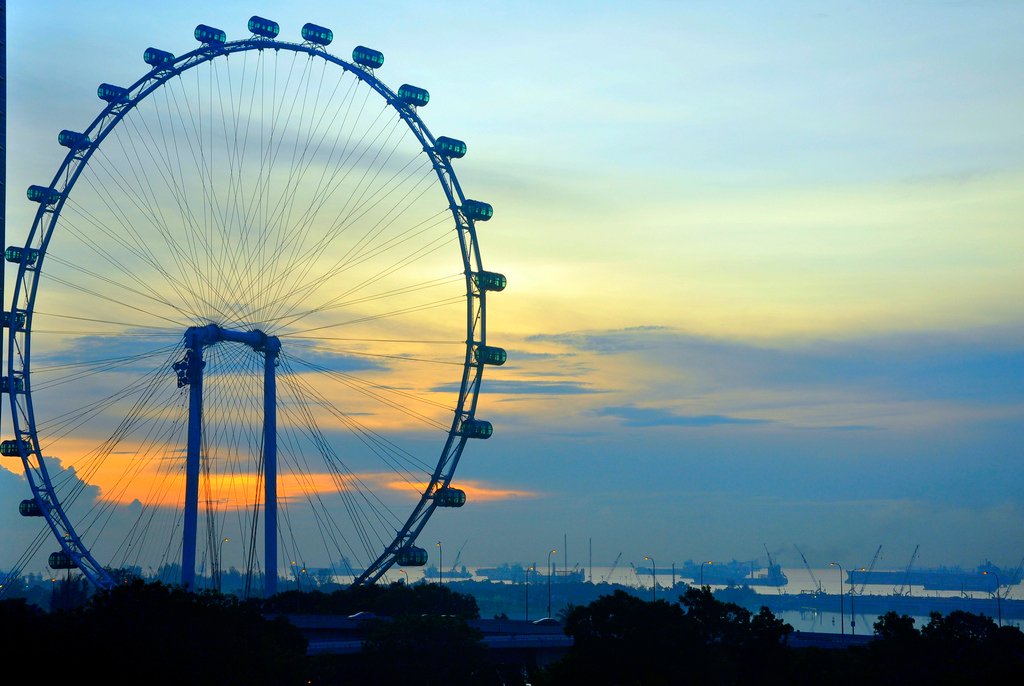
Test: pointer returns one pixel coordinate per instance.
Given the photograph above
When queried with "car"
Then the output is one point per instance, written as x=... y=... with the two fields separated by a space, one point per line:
x=363 y=615
x=546 y=621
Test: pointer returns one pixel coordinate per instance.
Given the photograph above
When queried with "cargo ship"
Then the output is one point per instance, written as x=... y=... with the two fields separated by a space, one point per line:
x=516 y=573
x=430 y=572
x=982 y=578
x=732 y=573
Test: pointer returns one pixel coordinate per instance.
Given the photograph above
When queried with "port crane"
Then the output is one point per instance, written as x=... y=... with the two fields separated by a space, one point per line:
x=771 y=565
x=817 y=584
x=458 y=556
x=615 y=565
x=906 y=574
x=871 y=568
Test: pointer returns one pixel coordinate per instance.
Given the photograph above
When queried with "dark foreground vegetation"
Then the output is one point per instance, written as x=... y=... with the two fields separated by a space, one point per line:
x=143 y=633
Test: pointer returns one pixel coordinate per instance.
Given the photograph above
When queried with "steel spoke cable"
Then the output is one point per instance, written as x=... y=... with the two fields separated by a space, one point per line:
x=405 y=261
x=335 y=303
x=348 y=484
x=332 y=229
x=363 y=433
x=352 y=379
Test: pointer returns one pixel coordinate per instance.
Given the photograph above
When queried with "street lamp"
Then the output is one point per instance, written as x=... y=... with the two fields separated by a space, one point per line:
x=842 y=617
x=999 y=602
x=531 y=568
x=654 y=580
x=709 y=562
x=406 y=576
x=440 y=564
x=551 y=572
x=220 y=560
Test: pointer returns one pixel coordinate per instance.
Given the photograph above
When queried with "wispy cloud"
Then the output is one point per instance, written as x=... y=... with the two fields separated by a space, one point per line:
x=631 y=415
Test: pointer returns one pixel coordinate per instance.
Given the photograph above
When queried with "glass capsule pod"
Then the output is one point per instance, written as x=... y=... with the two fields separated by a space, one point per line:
x=15 y=386
x=157 y=58
x=11 y=448
x=411 y=556
x=476 y=428
x=264 y=27
x=317 y=34
x=19 y=319
x=112 y=93
x=73 y=139
x=61 y=560
x=490 y=281
x=412 y=95
x=450 y=497
x=17 y=254
x=489 y=354
x=42 y=194
x=207 y=35
x=29 y=508
x=450 y=147
x=477 y=210
x=368 y=57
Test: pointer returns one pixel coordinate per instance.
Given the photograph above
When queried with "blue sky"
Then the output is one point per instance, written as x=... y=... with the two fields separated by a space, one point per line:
x=765 y=260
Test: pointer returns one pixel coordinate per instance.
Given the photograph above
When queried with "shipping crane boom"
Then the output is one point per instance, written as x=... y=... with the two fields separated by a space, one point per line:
x=871 y=568
x=817 y=584
x=906 y=574
x=615 y=565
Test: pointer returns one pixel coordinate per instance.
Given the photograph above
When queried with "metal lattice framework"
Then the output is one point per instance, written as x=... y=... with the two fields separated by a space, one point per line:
x=58 y=218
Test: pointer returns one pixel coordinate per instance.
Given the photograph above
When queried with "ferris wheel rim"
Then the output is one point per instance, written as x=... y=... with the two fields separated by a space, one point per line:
x=46 y=222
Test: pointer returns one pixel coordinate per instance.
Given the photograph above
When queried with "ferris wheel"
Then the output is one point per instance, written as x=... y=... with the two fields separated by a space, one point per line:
x=249 y=321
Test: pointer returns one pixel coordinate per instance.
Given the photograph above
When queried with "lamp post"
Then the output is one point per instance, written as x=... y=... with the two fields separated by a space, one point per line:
x=999 y=602
x=551 y=572
x=440 y=564
x=709 y=562
x=531 y=568
x=406 y=576
x=842 y=617
x=220 y=560
x=654 y=580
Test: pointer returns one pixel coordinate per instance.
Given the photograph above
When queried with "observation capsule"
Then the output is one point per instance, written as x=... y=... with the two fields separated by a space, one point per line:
x=207 y=35
x=368 y=57
x=30 y=508
x=417 y=97
x=16 y=255
x=264 y=27
x=12 y=447
x=477 y=210
x=15 y=386
x=476 y=428
x=61 y=560
x=43 y=195
x=18 y=319
x=450 y=497
x=317 y=34
x=411 y=556
x=112 y=93
x=450 y=147
x=73 y=139
x=489 y=354
x=157 y=58
x=490 y=281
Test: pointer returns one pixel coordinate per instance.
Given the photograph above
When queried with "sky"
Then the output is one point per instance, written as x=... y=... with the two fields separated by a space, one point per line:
x=765 y=261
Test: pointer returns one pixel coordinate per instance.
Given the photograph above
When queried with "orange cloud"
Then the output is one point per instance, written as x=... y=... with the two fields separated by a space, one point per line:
x=475 y=491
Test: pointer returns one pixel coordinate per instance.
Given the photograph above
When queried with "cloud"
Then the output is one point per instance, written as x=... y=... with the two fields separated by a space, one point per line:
x=982 y=366
x=515 y=387
x=630 y=415
x=475 y=491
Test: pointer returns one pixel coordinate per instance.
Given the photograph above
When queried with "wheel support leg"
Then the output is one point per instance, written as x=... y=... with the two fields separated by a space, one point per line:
x=195 y=435
x=270 y=472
